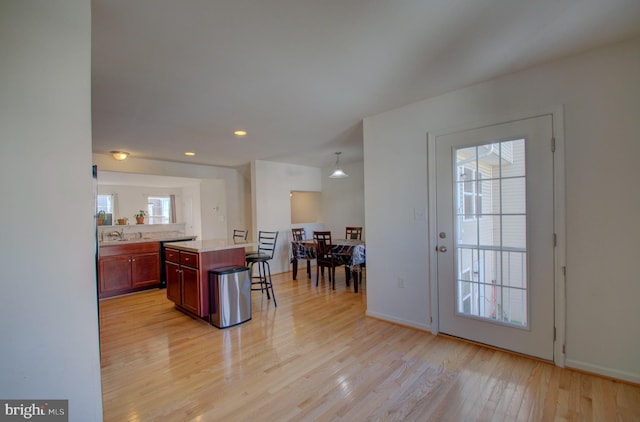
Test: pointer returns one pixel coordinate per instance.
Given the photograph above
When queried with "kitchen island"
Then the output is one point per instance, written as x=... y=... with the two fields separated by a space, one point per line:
x=187 y=267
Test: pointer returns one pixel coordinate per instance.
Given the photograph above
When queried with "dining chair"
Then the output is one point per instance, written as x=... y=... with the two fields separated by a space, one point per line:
x=298 y=233
x=325 y=258
x=353 y=233
x=301 y=252
x=264 y=254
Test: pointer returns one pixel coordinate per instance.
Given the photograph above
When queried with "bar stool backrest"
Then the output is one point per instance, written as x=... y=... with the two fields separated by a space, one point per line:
x=267 y=243
x=240 y=235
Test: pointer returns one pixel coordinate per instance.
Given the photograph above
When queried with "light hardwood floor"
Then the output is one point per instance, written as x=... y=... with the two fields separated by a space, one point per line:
x=316 y=357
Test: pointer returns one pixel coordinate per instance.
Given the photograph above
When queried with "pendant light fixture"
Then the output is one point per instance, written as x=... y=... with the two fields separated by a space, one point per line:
x=338 y=173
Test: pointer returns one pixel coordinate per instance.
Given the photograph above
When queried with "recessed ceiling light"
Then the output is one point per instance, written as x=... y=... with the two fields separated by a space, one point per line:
x=120 y=155
x=189 y=153
x=240 y=133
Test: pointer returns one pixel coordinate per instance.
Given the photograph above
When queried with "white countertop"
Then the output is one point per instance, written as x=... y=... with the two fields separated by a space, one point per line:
x=210 y=245
x=142 y=239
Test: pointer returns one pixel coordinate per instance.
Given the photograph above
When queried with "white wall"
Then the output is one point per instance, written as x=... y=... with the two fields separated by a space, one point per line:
x=213 y=209
x=306 y=207
x=192 y=210
x=271 y=185
x=235 y=188
x=343 y=200
x=131 y=199
x=48 y=304
x=600 y=92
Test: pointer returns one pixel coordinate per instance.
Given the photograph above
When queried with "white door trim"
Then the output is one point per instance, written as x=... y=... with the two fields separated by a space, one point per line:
x=557 y=114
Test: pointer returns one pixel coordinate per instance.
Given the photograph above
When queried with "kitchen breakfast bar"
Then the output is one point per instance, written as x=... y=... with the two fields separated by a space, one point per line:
x=187 y=267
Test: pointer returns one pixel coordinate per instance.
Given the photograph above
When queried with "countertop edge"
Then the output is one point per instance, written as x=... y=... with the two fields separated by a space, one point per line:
x=200 y=246
x=105 y=243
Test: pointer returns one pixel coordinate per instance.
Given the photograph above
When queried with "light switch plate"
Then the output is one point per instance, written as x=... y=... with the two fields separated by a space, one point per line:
x=419 y=214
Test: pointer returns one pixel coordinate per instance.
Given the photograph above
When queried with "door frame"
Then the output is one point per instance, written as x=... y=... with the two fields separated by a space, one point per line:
x=559 y=219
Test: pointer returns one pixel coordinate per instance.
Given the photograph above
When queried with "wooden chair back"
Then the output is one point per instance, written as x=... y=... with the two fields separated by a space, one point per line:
x=353 y=233
x=298 y=234
x=323 y=244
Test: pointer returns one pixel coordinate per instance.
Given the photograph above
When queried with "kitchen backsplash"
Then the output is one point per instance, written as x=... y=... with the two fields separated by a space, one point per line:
x=141 y=231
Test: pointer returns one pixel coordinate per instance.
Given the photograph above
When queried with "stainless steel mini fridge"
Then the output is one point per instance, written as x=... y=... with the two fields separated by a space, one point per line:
x=229 y=296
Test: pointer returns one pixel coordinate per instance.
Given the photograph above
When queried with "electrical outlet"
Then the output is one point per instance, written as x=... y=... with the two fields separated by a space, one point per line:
x=400 y=283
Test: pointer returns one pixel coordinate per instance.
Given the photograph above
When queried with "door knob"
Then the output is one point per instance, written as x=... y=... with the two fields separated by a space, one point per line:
x=442 y=249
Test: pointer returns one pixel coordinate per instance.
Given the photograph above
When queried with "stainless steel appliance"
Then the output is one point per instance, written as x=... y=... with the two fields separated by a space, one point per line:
x=229 y=296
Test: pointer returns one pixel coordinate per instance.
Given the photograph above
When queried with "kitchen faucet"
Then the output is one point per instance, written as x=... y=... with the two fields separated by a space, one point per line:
x=120 y=234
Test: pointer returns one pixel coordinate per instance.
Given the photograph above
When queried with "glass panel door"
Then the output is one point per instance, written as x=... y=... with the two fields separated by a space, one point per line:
x=491 y=232
x=495 y=261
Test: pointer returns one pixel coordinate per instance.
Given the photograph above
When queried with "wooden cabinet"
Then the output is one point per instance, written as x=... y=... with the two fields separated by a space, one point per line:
x=145 y=269
x=128 y=267
x=187 y=276
x=183 y=280
x=191 y=291
x=114 y=274
x=174 y=282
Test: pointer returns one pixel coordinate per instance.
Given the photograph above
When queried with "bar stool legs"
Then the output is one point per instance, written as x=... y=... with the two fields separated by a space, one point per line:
x=266 y=248
x=264 y=271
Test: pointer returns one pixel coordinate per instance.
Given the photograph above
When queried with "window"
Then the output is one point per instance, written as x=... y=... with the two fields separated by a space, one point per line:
x=105 y=203
x=159 y=209
x=470 y=193
x=492 y=248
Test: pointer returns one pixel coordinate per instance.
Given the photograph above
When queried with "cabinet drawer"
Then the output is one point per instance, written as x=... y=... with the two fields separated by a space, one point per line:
x=172 y=255
x=188 y=258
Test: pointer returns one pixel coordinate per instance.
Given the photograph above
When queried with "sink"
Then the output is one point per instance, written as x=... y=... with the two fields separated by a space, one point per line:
x=109 y=241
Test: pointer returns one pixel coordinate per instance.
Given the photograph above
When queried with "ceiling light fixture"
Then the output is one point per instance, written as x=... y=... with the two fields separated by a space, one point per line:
x=120 y=155
x=190 y=153
x=240 y=133
x=338 y=173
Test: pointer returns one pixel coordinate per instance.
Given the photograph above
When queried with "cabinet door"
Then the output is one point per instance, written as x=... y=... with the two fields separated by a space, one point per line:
x=174 y=282
x=191 y=290
x=114 y=273
x=145 y=269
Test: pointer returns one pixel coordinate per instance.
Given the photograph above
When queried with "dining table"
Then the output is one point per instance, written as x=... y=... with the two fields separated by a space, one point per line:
x=349 y=252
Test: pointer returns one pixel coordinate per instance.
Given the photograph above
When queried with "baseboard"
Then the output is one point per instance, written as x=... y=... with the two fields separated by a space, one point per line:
x=399 y=321
x=603 y=371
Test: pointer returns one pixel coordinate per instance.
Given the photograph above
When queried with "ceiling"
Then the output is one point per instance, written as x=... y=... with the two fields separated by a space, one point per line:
x=170 y=76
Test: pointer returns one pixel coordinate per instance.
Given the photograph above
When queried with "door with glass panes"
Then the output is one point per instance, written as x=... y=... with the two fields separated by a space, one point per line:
x=494 y=194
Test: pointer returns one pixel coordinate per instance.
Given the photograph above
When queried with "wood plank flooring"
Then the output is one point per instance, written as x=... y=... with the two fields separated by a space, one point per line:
x=316 y=357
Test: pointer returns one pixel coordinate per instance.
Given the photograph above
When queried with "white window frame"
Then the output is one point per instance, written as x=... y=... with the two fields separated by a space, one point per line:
x=110 y=208
x=165 y=216
x=475 y=178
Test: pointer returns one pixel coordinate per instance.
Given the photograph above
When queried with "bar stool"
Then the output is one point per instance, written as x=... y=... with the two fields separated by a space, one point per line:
x=264 y=254
x=240 y=235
